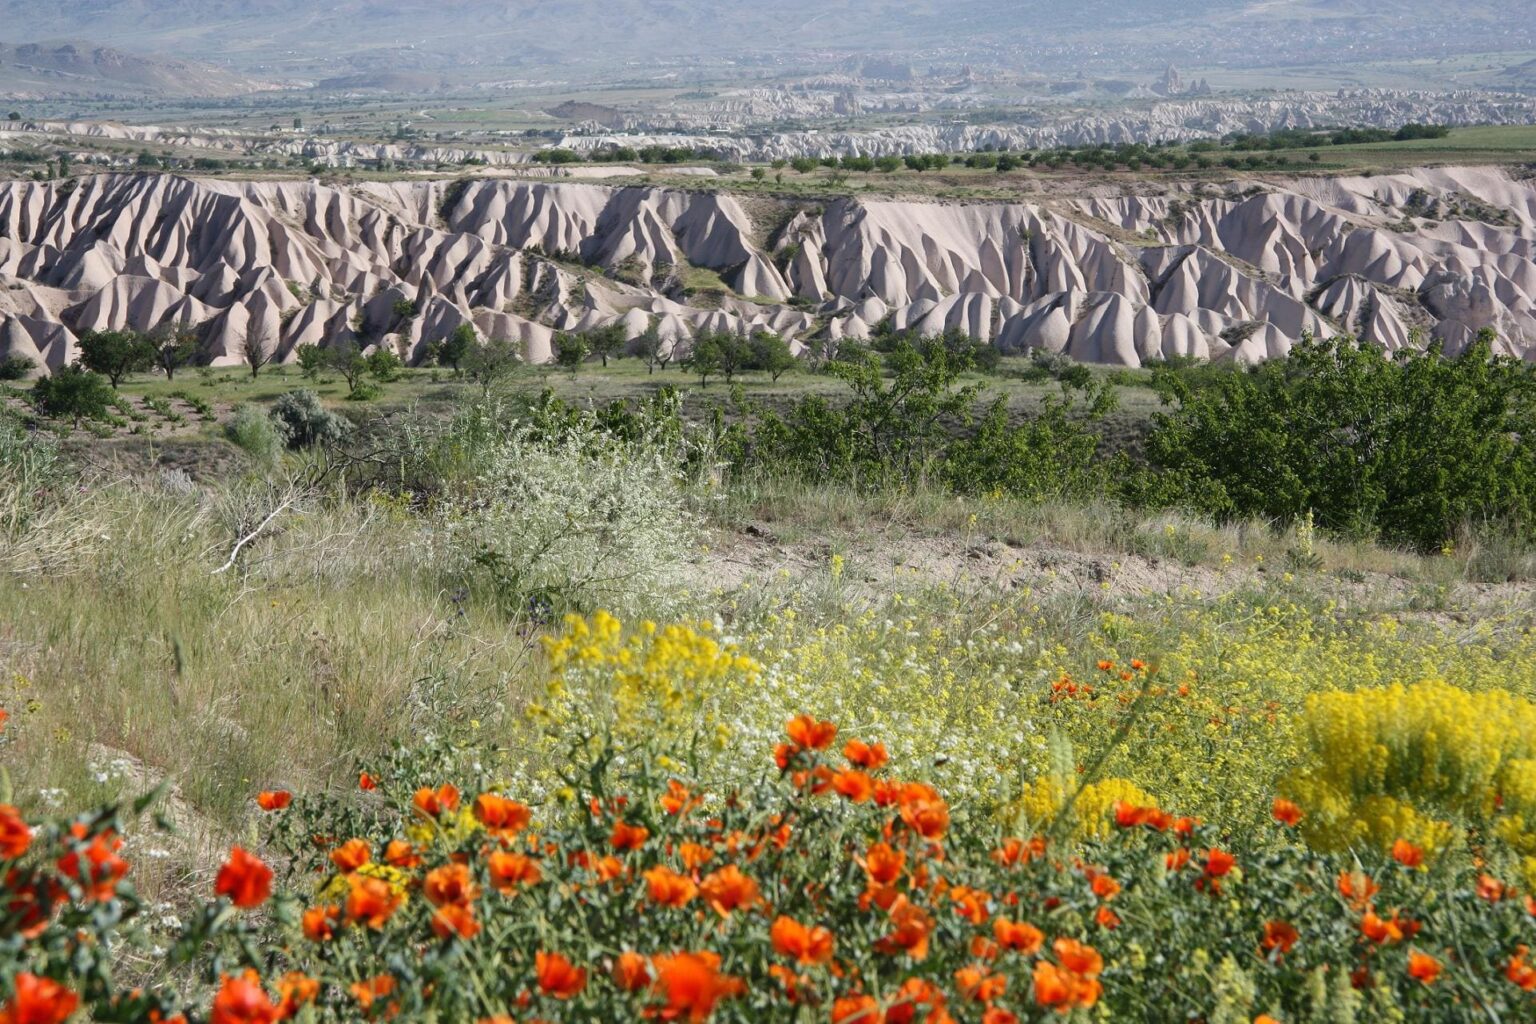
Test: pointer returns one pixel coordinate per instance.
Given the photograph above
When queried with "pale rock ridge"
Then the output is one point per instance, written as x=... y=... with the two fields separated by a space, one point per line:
x=1237 y=276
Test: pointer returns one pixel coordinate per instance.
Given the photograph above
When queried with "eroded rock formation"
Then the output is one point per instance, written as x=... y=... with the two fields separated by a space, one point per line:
x=1230 y=274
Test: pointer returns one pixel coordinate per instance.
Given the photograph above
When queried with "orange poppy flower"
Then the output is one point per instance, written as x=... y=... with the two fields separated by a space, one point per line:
x=692 y=984
x=1406 y=854
x=1131 y=816
x=853 y=785
x=1357 y=888
x=1423 y=967
x=694 y=855
x=783 y=754
x=631 y=971
x=455 y=919
x=293 y=991
x=1106 y=918
x=971 y=904
x=371 y=901
x=868 y=756
x=793 y=983
x=668 y=888
x=1105 y=665
x=510 y=870
x=998 y=1015
x=558 y=977
x=500 y=816
x=806 y=945
x=245 y=879
x=401 y=854
x=242 y=1000
x=1280 y=935
x=607 y=868
x=97 y=868
x=450 y=883
x=351 y=855
x=1490 y=888
x=38 y=1001
x=1014 y=852
x=1381 y=930
x=1286 y=812
x=857 y=1009
x=1078 y=957
x=917 y=1000
x=273 y=799
x=434 y=802
x=1218 y=863
x=1105 y=887
x=366 y=782
x=1018 y=936
x=911 y=926
x=729 y=889
x=977 y=986
x=808 y=734
x=628 y=837
x=677 y=799
x=924 y=811
x=372 y=990
x=319 y=923
x=15 y=836
x=1519 y=972
x=883 y=863
x=1055 y=987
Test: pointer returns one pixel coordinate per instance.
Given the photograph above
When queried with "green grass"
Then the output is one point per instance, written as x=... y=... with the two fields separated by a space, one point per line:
x=1510 y=144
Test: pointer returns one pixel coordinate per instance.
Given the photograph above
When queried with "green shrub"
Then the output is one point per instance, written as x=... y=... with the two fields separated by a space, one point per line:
x=303 y=422
x=16 y=367
x=256 y=433
x=73 y=392
x=570 y=518
x=1406 y=447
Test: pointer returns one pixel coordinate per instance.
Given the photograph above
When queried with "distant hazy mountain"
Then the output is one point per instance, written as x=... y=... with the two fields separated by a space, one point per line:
x=424 y=34
x=82 y=69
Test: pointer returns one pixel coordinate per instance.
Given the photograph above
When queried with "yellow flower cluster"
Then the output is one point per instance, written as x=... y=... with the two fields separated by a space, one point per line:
x=1414 y=762
x=1091 y=813
x=642 y=683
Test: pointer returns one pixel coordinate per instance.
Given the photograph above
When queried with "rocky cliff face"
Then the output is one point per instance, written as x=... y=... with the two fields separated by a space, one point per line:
x=1117 y=279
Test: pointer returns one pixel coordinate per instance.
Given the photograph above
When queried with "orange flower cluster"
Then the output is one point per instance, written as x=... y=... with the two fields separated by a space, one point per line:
x=1073 y=980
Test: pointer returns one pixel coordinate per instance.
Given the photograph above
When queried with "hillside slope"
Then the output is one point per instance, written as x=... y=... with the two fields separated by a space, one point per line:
x=646 y=29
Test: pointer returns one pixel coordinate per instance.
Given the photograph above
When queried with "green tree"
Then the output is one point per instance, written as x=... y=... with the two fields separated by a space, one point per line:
x=771 y=354
x=735 y=354
x=492 y=363
x=312 y=361
x=174 y=347
x=705 y=357
x=649 y=345
x=384 y=365
x=347 y=359
x=803 y=164
x=606 y=341
x=116 y=354
x=452 y=349
x=571 y=350
x=74 y=392
x=257 y=347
